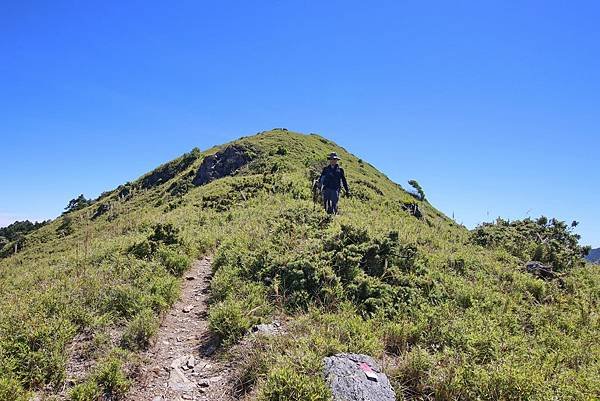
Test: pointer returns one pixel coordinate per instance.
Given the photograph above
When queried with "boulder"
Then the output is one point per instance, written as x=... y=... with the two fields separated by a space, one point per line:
x=540 y=270
x=355 y=377
x=223 y=163
x=412 y=209
x=100 y=210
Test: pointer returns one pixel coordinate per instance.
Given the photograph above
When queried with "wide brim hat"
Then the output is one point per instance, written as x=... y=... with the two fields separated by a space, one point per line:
x=333 y=156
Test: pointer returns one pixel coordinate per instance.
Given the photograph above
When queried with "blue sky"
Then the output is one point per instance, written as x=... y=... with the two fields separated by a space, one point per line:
x=493 y=106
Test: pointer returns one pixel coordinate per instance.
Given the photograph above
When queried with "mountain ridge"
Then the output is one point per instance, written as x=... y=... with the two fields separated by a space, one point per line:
x=594 y=256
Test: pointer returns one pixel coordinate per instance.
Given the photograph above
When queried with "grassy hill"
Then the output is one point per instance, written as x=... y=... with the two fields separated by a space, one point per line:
x=455 y=318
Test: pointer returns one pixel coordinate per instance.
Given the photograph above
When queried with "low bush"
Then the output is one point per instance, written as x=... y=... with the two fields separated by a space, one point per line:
x=174 y=261
x=111 y=378
x=107 y=381
x=544 y=240
x=88 y=391
x=11 y=390
x=285 y=384
x=399 y=337
x=229 y=320
x=139 y=331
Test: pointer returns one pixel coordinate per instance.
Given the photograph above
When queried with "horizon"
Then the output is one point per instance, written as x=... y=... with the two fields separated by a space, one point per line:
x=491 y=107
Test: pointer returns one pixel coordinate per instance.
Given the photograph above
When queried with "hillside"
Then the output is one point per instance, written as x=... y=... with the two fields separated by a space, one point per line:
x=594 y=256
x=453 y=317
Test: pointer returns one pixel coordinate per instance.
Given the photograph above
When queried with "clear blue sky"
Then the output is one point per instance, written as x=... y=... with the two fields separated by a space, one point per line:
x=493 y=106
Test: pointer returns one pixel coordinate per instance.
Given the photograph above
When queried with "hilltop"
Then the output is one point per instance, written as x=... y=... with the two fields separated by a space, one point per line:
x=454 y=314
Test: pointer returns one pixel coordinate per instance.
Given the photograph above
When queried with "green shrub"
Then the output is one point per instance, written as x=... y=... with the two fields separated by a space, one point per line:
x=123 y=301
x=142 y=250
x=175 y=262
x=110 y=377
x=400 y=337
x=413 y=372
x=342 y=331
x=88 y=391
x=254 y=363
x=107 y=381
x=139 y=331
x=229 y=321
x=165 y=233
x=163 y=292
x=551 y=242
x=284 y=384
x=11 y=390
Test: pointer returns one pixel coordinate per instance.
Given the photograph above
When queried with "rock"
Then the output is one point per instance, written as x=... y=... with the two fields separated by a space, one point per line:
x=188 y=308
x=178 y=381
x=190 y=277
x=412 y=209
x=267 y=329
x=540 y=270
x=354 y=377
x=178 y=362
x=209 y=349
x=190 y=362
x=223 y=163
x=100 y=210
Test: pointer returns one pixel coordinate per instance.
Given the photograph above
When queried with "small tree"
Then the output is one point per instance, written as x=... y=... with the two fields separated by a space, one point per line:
x=418 y=188
x=78 y=203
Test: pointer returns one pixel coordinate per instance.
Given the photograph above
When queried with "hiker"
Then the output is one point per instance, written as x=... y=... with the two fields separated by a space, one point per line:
x=331 y=181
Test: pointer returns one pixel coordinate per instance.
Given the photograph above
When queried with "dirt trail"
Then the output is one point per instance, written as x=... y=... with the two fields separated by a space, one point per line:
x=180 y=365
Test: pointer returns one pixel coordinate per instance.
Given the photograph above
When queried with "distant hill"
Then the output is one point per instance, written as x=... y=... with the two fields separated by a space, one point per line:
x=455 y=313
x=594 y=256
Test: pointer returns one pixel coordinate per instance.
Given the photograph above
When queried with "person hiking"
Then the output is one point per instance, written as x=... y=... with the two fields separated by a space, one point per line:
x=331 y=180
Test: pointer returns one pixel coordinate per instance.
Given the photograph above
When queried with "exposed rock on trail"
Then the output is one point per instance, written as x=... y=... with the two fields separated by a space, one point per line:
x=178 y=366
x=223 y=163
x=354 y=377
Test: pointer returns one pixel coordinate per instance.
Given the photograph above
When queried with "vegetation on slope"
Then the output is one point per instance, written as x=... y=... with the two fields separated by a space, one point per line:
x=12 y=236
x=455 y=313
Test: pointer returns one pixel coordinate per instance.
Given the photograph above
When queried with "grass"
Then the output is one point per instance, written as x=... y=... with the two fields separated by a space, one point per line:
x=453 y=319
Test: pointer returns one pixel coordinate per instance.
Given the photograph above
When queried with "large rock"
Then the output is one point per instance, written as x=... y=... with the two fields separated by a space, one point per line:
x=354 y=377
x=540 y=270
x=222 y=163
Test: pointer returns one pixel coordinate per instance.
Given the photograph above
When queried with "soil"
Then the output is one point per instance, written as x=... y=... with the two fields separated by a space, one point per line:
x=182 y=363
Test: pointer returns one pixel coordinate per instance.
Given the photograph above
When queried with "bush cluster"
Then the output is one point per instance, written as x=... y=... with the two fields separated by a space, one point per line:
x=544 y=240
x=108 y=381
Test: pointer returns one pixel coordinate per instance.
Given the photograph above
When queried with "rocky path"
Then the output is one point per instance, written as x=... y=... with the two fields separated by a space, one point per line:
x=181 y=365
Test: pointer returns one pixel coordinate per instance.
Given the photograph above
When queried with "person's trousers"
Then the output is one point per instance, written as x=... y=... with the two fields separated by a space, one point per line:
x=331 y=198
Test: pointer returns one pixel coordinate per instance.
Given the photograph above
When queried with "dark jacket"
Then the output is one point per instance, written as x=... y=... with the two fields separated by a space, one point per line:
x=333 y=177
